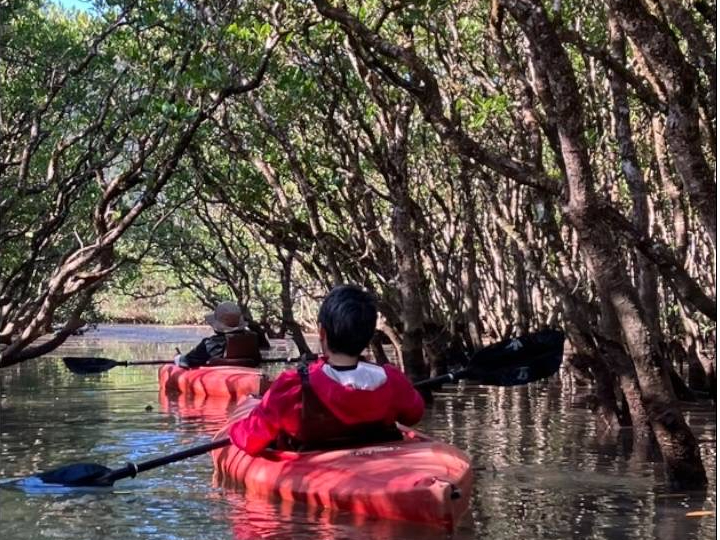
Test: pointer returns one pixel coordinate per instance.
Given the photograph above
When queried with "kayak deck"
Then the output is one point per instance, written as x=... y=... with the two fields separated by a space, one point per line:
x=217 y=381
x=417 y=479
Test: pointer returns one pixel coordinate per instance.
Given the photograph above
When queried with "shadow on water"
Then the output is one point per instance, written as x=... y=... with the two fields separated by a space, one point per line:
x=541 y=469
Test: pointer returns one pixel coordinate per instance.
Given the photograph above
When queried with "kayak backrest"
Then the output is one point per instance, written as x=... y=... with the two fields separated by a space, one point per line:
x=242 y=345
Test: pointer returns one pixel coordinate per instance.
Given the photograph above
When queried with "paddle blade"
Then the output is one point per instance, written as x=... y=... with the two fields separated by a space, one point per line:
x=518 y=361
x=83 y=365
x=77 y=475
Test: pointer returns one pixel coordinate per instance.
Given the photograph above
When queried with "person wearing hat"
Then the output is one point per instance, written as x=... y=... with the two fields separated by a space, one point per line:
x=232 y=343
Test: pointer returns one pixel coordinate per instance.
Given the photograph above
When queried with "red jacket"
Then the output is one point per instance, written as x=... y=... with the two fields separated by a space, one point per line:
x=393 y=400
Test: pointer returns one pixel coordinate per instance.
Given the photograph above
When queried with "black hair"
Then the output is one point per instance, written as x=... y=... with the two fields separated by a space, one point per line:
x=348 y=315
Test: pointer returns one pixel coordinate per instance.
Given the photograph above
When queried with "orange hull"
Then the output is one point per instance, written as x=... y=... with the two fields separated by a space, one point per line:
x=417 y=479
x=220 y=381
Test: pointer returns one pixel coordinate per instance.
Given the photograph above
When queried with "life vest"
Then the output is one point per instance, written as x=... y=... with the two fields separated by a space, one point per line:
x=242 y=345
x=320 y=429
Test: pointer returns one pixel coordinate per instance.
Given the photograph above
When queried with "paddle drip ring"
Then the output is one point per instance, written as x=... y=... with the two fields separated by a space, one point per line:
x=133 y=469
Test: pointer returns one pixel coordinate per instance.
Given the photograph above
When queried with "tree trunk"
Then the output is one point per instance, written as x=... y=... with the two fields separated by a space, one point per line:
x=395 y=339
x=676 y=79
x=610 y=345
x=647 y=276
x=376 y=346
x=470 y=281
x=677 y=443
x=672 y=189
x=288 y=318
x=522 y=304
x=409 y=285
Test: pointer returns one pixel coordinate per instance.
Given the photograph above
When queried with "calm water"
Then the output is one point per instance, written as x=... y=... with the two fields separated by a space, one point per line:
x=541 y=471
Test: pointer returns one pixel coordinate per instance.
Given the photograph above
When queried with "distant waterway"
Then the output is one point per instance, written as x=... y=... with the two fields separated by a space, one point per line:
x=541 y=469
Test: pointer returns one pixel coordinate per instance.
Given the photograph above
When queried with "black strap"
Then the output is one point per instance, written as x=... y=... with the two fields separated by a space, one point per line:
x=304 y=376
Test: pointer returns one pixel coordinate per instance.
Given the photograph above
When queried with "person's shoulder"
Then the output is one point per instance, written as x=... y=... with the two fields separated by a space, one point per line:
x=313 y=364
x=390 y=368
x=286 y=382
x=214 y=344
x=394 y=373
x=289 y=375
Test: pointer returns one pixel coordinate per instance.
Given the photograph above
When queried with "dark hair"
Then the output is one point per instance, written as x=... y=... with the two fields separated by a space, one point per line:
x=348 y=315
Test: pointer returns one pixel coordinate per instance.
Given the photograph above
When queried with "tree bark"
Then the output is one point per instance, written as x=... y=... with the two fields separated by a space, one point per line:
x=672 y=188
x=288 y=318
x=647 y=276
x=677 y=443
x=678 y=82
x=470 y=281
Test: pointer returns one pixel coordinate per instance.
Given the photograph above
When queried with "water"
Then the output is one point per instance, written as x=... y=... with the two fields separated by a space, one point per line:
x=541 y=470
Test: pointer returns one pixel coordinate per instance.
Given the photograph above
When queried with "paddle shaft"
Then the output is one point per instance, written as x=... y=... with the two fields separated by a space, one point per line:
x=162 y=362
x=440 y=379
x=87 y=365
x=145 y=363
x=132 y=469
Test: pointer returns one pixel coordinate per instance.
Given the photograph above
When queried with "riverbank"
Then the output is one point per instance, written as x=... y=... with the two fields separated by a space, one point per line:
x=171 y=308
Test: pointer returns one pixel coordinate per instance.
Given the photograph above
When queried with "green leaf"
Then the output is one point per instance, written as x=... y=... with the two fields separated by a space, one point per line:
x=169 y=109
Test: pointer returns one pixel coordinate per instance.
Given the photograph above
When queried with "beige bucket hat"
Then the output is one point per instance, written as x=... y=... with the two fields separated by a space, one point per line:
x=227 y=317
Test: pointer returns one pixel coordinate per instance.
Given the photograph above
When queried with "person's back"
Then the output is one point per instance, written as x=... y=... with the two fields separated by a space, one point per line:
x=339 y=397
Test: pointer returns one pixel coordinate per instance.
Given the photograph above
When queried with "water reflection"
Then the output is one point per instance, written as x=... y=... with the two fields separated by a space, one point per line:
x=257 y=518
x=197 y=414
x=541 y=469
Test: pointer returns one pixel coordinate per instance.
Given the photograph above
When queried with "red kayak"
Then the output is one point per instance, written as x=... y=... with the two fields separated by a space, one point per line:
x=417 y=479
x=218 y=381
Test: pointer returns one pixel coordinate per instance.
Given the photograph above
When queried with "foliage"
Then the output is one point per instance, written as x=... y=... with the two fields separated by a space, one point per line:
x=434 y=113
x=97 y=115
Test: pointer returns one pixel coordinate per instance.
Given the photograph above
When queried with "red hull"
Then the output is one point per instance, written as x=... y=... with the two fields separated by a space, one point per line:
x=220 y=381
x=417 y=479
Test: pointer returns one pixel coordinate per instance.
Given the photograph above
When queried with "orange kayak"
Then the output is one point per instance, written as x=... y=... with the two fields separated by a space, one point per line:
x=417 y=479
x=217 y=381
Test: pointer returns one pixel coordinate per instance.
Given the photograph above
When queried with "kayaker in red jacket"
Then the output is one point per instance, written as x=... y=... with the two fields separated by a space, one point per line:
x=340 y=397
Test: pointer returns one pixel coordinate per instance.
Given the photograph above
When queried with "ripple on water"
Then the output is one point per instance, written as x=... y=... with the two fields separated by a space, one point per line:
x=541 y=470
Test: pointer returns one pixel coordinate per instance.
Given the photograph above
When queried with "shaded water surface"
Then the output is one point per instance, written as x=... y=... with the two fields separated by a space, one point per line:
x=541 y=470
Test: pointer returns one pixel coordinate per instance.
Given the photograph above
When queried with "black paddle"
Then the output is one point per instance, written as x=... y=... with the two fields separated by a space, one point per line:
x=95 y=475
x=85 y=365
x=511 y=362
x=508 y=363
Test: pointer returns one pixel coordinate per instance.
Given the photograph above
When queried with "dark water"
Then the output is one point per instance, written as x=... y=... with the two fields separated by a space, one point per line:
x=541 y=471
